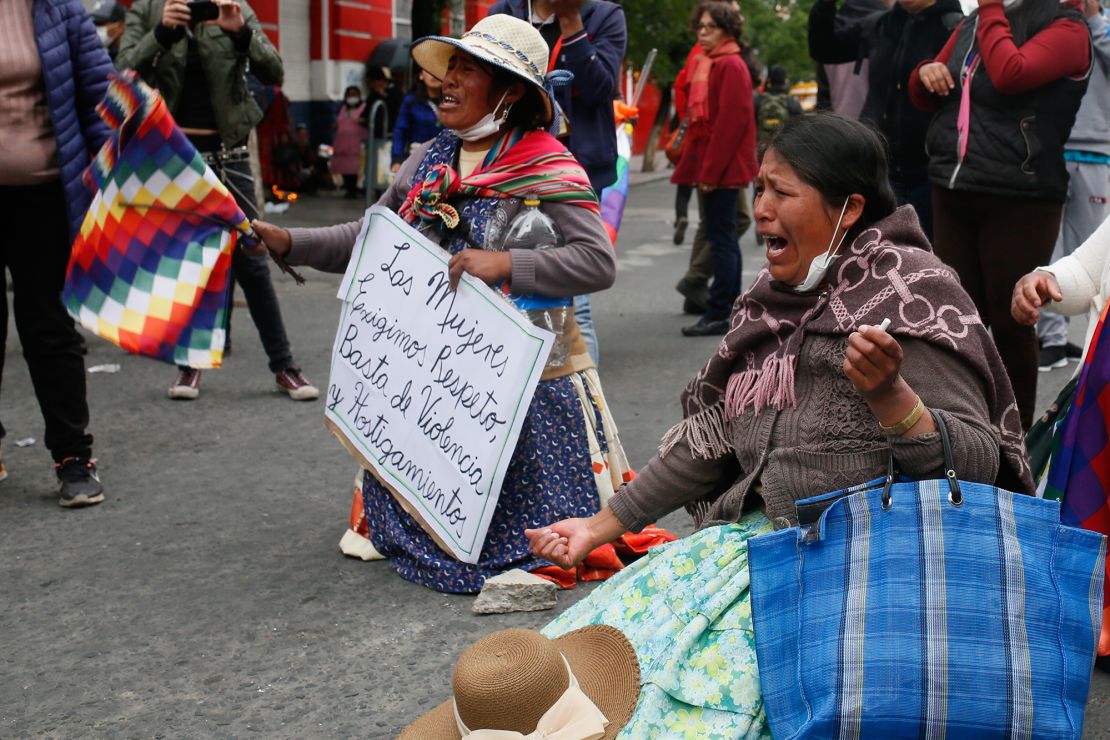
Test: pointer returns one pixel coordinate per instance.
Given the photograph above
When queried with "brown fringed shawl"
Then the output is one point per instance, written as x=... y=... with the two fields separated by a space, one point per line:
x=889 y=271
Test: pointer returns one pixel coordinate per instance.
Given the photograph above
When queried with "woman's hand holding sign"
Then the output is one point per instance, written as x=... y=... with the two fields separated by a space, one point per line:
x=489 y=267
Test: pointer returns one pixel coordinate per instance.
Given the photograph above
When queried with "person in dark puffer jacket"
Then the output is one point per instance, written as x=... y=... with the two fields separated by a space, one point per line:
x=53 y=75
x=893 y=42
x=1005 y=88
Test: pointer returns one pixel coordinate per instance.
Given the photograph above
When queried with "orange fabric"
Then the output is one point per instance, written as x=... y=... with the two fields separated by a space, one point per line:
x=634 y=545
x=1104 y=638
x=358 y=516
x=698 y=106
x=564 y=579
x=623 y=112
x=554 y=58
x=604 y=562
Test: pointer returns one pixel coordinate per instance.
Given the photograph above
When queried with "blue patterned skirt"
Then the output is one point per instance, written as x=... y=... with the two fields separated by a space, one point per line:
x=556 y=472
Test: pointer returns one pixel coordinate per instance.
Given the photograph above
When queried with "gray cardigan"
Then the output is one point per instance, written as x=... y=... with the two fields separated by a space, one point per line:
x=828 y=441
x=585 y=264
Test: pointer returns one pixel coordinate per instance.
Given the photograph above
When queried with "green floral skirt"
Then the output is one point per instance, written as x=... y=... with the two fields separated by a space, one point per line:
x=685 y=609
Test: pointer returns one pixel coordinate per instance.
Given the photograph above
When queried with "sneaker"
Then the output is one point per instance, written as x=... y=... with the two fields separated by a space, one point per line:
x=1073 y=351
x=187 y=385
x=293 y=382
x=680 y=225
x=1052 y=358
x=78 y=482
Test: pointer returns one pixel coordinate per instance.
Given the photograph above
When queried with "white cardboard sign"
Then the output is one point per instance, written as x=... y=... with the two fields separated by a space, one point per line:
x=429 y=387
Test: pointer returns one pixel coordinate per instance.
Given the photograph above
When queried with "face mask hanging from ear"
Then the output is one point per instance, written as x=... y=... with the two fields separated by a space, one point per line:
x=821 y=263
x=489 y=124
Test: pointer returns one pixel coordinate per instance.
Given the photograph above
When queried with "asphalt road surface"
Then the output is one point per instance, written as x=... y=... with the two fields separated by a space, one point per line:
x=206 y=597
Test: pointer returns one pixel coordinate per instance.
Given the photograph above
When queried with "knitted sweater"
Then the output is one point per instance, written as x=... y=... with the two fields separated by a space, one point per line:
x=829 y=440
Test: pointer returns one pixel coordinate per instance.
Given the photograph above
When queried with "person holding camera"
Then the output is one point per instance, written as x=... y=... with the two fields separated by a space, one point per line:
x=197 y=55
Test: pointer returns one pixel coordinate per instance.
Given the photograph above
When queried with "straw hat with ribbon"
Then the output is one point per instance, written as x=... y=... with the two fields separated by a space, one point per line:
x=519 y=685
x=505 y=42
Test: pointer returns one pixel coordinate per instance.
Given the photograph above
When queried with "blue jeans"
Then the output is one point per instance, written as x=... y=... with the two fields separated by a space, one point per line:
x=583 y=314
x=724 y=245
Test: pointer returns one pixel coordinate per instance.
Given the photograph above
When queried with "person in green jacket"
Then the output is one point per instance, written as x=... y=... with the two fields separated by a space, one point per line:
x=200 y=69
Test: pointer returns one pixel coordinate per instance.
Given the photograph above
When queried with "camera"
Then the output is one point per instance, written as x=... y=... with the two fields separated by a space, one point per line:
x=203 y=10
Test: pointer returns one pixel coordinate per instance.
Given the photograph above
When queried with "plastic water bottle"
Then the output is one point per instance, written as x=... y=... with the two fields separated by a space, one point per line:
x=534 y=229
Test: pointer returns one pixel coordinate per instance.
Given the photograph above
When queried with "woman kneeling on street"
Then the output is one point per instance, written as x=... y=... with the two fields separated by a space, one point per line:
x=807 y=393
x=463 y=190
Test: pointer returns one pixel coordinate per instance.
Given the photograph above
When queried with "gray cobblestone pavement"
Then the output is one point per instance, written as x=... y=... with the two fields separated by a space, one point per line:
x=206 y=596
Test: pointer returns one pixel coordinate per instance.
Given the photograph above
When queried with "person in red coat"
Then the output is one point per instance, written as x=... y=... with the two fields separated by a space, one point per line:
x=719 y=156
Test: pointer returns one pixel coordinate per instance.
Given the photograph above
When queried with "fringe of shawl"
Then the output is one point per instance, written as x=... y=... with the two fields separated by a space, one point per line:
x=706 y=432
x=771 y=385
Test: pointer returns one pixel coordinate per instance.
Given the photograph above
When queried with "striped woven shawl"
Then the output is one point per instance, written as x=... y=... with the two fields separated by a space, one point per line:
x=520 y=163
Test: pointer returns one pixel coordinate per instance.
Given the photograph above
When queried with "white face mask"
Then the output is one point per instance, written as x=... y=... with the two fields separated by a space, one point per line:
x=352 y=101
x=489 y=124
x=821 y=263
x=102 y=32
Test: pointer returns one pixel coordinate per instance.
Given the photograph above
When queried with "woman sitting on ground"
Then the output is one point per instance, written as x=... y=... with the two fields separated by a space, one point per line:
x=494 y=109
x=805 y=394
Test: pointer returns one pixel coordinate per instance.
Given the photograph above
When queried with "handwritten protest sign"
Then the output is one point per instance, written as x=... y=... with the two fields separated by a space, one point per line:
x=429 y=387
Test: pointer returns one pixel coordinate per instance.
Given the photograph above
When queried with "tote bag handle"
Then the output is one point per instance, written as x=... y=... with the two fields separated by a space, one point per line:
x=810 y=511
x=955 y=495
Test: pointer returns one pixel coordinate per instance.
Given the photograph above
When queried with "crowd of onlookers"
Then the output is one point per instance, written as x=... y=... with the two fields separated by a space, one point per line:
x=997 y=126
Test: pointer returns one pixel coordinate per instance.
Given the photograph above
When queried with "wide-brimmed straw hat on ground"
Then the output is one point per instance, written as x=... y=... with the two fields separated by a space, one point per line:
x=514 y=683
x=503 y=41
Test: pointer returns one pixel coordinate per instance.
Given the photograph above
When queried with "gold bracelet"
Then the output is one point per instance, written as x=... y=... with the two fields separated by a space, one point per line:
x=906 y=424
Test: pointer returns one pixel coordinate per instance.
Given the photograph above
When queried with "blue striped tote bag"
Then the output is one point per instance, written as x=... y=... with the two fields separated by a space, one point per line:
x=937 y=608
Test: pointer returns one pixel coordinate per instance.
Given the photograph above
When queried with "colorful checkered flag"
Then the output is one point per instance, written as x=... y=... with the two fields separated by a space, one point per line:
x=150 y=268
